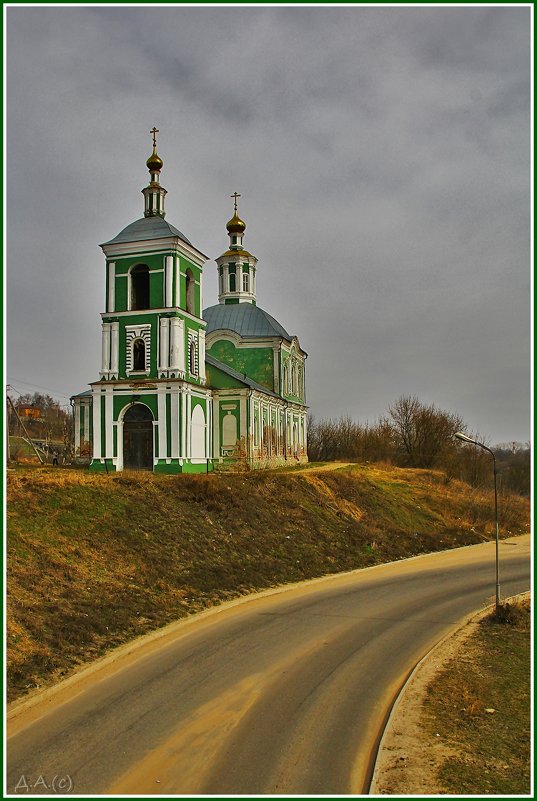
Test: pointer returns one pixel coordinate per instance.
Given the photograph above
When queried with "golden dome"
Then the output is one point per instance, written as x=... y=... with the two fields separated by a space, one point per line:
x=236 y=225
x=154 y=162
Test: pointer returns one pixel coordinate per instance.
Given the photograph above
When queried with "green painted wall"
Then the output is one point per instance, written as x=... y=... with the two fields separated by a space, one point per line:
x=257 y=363
x=219 y=380
x=156 y=280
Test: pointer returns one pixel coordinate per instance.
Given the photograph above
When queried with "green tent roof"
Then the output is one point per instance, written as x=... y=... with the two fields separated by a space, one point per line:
x=147 y=228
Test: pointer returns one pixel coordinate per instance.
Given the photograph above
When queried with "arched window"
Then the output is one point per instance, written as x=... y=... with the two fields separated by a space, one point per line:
x=232 y=282
x=245 y=282
x=139 y=277
x=138 y=355
x=192 y=358
x=221 y=279
x=190 y=285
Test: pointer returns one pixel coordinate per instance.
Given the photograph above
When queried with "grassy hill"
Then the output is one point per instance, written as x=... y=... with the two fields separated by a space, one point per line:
x=95 y=560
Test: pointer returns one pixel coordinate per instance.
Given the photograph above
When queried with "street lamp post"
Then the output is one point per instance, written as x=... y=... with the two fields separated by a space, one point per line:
x=464 y=438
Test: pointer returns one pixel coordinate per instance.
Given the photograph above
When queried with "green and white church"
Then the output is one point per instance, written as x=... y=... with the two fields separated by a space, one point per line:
x=183 y=390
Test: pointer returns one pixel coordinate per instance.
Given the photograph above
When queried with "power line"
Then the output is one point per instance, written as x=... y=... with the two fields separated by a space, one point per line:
x=38 y=386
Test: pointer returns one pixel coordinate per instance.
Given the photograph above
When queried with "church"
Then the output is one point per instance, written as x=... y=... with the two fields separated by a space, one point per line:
x=184 y=389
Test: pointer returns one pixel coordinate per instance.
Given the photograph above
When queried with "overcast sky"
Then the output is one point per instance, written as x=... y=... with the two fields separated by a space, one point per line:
x=382 y=155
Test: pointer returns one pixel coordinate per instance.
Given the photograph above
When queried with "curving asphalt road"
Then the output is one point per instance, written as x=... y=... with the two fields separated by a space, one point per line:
x=286 y=693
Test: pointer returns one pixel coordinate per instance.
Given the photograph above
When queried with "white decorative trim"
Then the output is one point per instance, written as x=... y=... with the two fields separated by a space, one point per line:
x=201 y=354
x=242 y=342
x=193 y=340
x=133 y=332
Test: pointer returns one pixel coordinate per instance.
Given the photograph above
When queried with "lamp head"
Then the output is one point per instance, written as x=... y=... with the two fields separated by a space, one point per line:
x=463 y=437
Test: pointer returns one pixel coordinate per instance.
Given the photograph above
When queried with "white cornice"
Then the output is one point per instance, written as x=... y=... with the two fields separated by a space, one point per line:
x=169 y=310
x=164 y=245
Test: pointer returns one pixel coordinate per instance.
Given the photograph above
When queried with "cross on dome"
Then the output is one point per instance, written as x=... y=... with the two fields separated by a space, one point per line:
x=235 y=195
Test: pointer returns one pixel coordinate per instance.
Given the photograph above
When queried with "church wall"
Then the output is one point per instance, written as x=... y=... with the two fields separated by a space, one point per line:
x=256 y=363
x=173 y=407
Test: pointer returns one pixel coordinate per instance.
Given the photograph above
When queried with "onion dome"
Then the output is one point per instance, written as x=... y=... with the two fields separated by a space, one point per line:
x=236 y=225
x=154 y=162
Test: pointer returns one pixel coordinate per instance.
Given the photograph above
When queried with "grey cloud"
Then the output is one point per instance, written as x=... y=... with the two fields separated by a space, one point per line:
x=382 y=156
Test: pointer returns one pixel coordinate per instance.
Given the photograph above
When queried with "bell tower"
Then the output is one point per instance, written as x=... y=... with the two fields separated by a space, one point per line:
x=151 y=405
x=236 y=267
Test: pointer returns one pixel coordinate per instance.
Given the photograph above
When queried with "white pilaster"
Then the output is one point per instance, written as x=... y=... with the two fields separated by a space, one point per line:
x=189 y=424
x=177 y=301
x=215 y=406
x=183 y=424
x=87 y=412
x=208 y=427
x=97 y=425
x=168 y=274
x=174 y=425
x=77 y=426
x=105 y=361
x=176 y=345
x=164 y=349
x=111 y=286
x=114 y=360
x=162 y=431
x=109 y=423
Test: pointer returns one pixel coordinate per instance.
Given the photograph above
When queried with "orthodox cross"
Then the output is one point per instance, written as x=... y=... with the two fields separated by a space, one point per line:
x=154 y=131
x=235 y=195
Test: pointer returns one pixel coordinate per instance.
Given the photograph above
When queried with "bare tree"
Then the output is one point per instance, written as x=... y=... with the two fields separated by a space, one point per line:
x=423 y=435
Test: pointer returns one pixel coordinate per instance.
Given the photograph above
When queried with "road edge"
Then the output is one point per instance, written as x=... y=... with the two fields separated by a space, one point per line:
x=379 y=767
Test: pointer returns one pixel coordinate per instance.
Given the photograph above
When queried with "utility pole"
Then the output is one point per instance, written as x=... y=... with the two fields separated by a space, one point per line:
x=24 y=429
x=7 y=428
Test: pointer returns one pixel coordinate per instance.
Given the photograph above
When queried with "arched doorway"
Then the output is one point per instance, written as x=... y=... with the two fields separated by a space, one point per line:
x=138 y=438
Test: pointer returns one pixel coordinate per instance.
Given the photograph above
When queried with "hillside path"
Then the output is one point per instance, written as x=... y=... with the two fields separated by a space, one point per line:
x=325 y=467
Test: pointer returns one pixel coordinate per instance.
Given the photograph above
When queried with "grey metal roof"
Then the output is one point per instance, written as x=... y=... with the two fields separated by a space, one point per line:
x=87 y=394
x=242 y=377
x=244 y=319
x=147 y=228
